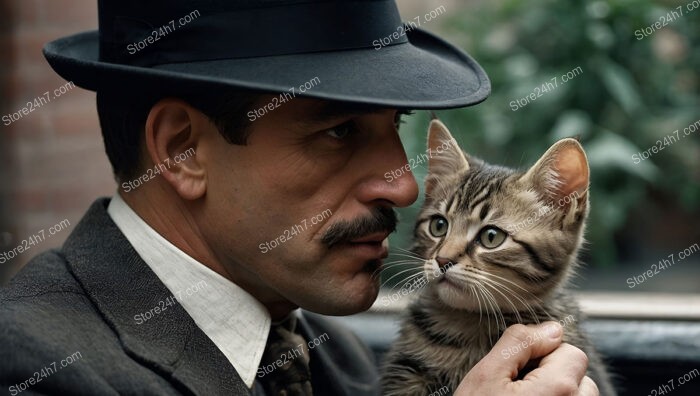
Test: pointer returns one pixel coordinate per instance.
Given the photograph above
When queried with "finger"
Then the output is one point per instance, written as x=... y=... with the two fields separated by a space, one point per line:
x=562 y=370
x=568 y=361
x=588 y=387
x=519 y=344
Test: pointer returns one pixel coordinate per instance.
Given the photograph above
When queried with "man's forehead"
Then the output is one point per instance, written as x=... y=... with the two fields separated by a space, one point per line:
x=310 y=112
x=319 y=112
x=323 y=110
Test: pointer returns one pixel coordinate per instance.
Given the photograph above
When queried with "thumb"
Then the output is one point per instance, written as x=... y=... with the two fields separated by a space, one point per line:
x=519 y=344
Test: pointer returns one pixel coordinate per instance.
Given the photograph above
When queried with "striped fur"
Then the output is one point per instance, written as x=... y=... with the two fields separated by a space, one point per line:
x=456 y=319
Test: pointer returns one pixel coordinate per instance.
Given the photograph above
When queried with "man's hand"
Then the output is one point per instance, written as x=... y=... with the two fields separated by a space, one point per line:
x=561 y=370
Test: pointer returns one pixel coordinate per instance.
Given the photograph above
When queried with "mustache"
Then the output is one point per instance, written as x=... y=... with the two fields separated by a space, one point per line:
x=380 y=219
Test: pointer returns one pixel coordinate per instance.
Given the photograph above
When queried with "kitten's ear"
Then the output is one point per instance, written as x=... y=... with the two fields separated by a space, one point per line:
x=446 y=157
x=561 y=172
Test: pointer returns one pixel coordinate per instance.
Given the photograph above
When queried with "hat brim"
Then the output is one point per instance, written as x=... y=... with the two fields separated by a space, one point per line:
x=425 y=73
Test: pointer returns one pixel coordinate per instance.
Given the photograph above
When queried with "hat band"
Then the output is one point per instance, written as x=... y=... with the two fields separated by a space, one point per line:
x=279 y=30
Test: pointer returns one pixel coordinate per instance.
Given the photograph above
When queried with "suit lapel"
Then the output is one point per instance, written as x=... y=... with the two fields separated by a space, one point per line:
x=122 y=287
x=340 y=366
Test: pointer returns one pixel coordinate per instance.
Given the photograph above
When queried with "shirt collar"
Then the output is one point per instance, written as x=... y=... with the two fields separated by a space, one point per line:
x=233 y=320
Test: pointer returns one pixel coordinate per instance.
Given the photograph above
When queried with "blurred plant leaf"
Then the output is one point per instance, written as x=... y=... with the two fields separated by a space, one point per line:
x=609 y=151
x=620 y=85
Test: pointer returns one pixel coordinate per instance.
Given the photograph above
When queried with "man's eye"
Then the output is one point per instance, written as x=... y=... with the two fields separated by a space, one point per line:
x=340 y=132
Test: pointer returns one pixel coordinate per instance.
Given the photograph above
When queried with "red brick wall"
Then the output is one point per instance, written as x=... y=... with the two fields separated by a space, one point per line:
x=53 y=162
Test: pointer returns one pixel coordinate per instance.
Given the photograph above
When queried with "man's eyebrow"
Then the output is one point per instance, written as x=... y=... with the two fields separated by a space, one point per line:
x=332 y=110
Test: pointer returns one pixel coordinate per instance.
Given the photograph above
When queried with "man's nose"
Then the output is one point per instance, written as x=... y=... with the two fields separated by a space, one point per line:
x=398 y=183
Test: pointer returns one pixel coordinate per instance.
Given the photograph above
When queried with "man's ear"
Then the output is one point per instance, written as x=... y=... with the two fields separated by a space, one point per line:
x=173 y=133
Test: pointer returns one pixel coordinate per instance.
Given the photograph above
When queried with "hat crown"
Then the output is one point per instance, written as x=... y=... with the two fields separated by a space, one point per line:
x=186 y=46
x=160 y=32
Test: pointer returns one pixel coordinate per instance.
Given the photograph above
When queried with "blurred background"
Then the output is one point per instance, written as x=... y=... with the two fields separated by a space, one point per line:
x=623 y=94
x=52 y=160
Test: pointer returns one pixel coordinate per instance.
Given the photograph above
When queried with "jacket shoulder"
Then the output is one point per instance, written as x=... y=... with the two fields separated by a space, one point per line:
x=43 y=319
x=45 y=273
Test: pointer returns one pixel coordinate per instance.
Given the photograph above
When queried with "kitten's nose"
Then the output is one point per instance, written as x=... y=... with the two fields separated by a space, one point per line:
x=443 y=262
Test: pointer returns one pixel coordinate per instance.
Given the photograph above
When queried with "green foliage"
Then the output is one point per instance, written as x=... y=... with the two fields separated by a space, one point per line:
x=629 y=94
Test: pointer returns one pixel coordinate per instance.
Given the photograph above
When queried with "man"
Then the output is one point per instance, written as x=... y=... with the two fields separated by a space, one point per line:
x=237 y=205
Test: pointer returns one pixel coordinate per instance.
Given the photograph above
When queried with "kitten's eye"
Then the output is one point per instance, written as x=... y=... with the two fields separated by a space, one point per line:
x=340 y=132
x=438 y=226
x=492 y=237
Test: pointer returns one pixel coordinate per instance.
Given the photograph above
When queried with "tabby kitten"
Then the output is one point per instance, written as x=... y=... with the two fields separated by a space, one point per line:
x=499 y=247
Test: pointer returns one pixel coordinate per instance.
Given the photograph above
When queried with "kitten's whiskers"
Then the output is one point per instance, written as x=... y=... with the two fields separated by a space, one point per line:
x=410 y=253
x=496 y=285
x=393 y=264
x=402 y=272
x=490 y=301
x=529 y=307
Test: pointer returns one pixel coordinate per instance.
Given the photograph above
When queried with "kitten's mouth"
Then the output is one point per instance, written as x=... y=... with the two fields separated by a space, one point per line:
x=447 y=282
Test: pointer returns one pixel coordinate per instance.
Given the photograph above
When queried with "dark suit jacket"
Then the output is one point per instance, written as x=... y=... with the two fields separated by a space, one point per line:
x=83 y=298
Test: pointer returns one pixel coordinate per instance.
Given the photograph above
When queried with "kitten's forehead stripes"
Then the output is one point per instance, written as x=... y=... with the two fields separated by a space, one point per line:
x=485 y=209
x=470 y=203
x=454 y=200
x=483 y=194
x=486 y=181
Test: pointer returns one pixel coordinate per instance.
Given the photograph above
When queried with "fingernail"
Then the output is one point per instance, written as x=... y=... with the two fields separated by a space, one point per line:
x=553 y=330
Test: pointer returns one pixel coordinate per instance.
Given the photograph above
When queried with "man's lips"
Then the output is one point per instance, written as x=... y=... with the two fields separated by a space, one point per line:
x=377 y=237
x=370 y=247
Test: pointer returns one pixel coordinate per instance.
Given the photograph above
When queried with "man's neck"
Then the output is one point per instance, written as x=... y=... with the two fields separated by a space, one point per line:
x=173 y=220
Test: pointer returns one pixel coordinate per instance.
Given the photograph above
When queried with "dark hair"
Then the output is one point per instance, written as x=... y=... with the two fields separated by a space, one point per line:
x=123 y=118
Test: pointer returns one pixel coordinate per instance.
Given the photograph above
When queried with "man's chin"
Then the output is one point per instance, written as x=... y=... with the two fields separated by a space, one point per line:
x=344 y=308
x=355 y=296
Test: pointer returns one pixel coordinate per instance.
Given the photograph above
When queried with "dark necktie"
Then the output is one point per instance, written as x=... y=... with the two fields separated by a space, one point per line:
x=284 y=369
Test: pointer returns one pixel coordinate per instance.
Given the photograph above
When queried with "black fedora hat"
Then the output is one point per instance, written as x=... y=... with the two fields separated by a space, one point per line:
x=353 y=50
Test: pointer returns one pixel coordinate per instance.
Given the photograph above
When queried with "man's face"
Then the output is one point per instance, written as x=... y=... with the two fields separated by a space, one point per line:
x=298 y=215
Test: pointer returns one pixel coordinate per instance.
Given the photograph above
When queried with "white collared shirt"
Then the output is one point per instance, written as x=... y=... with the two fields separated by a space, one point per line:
x=234 y=321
